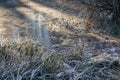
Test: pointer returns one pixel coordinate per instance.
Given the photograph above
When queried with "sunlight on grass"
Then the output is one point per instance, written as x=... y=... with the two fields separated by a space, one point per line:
x=55 y=13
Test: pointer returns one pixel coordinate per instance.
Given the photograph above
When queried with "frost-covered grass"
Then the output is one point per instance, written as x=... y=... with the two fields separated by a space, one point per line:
x=27 y=60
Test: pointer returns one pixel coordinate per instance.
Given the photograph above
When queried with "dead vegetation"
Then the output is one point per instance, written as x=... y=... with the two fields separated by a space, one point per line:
x=103 y=15
x=28 y=61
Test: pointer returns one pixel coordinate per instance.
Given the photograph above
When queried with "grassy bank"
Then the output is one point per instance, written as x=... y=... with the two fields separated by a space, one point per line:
x=29 y=61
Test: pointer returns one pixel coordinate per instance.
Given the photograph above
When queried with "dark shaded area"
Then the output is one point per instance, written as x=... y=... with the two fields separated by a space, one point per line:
x=11 y=3
x=61 y=7
x=2 y=0
x=105 y=14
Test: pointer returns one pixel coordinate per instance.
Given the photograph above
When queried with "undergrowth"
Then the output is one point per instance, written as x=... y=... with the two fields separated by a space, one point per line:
x=29 y=61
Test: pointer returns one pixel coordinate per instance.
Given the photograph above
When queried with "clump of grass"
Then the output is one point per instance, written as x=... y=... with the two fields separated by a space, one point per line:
x=75 y=55
x=51 y=62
